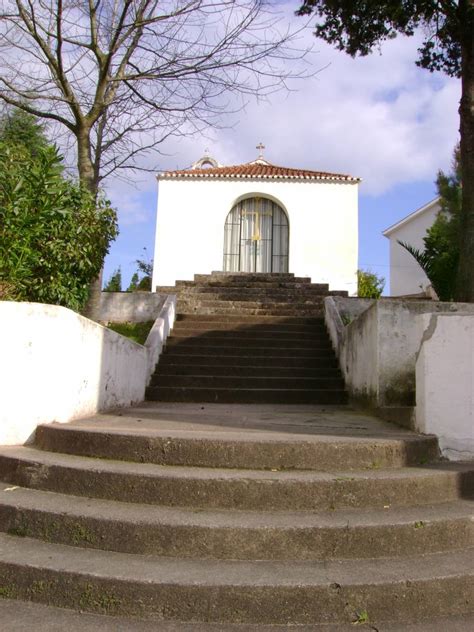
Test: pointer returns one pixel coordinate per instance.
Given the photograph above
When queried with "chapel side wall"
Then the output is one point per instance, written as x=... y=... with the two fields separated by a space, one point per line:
x=322 y=217
x=324 y=234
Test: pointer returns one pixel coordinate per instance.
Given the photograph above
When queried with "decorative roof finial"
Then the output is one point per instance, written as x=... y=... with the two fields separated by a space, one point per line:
x=260 y=148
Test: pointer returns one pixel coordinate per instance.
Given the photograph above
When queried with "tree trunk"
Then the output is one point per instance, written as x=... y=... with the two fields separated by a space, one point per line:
x=465 y=280
x=88 y=178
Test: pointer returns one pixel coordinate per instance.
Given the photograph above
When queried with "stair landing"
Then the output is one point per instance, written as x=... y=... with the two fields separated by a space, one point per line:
x=238 y=517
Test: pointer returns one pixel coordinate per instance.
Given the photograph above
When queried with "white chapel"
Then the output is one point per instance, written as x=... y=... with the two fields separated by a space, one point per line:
x=256 y=217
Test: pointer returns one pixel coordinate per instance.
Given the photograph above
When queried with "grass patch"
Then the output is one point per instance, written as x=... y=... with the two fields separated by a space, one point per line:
x=137 y=332
x=361 y=618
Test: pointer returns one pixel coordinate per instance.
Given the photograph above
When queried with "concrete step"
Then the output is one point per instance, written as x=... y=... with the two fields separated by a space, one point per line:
x=224 y=370
x=228 y=326
x=185 y=533
x=248 y=320
x=261 y=381
x=224 y=591
x=19 y=616
x=247 y=342
x=246 y=395
x=204 y=358
x=208 y=447
x=301 y=284
x=262 y=289
x=252 y=350
x=240 y=303
x=246 y=277
x=239 y=489
x=242 y=309
x=252 y=334
x=235 y=293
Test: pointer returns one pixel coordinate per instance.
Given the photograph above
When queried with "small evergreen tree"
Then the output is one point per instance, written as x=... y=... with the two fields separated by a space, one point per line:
x=145 y=268
x=20 y=129
x=369 y=285
x=114 y=284
x=133 y=286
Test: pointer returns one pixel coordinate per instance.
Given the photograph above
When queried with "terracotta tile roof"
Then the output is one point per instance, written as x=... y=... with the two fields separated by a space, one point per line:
x=257 y=170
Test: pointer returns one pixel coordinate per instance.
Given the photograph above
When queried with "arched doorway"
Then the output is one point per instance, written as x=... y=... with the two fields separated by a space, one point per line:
x=256 y=237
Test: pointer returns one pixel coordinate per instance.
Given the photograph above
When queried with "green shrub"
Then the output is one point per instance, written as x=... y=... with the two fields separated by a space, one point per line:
x=53 y=234
x=369 y=285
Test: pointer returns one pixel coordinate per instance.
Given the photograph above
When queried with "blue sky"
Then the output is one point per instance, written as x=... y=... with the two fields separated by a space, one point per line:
x=380 y=118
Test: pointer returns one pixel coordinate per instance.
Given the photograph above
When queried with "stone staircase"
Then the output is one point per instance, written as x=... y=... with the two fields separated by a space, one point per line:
x=246 y=294
x=251 y=514
x=238 y=518
x=243 y=338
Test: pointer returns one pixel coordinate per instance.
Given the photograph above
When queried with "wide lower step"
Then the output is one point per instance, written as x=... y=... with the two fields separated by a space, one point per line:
x=256 y=382
x=237 y=591
x=44 y=618
x=228 y=370
x=246 y=395
x=249 y=449
x=180 y=532
x=234 y=489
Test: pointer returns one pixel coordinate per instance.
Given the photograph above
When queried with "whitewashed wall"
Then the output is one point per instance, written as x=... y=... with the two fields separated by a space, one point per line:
x=400 y=353
x=323 y=221
x=130 y=307
x=445 y=382
x=377 y=349
x=406 y=276
x=57 y=365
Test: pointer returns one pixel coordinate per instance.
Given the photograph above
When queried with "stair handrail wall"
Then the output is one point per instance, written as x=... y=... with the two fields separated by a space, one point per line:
x=58 y=366
x=398 y=357
x=159 y=333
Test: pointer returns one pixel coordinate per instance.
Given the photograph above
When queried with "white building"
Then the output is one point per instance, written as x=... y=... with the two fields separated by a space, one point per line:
x=256 y=217
x=406 y=276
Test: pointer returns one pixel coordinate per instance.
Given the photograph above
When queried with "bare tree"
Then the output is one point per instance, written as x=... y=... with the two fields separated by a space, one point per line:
x=123 y=75
x=120 y=76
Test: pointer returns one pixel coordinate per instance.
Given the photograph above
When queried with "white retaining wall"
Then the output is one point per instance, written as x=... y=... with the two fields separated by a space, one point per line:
x=391 y=349
x=159 y=333
x=378 y=344
x=57 y=365
x=130 y=307
x=445 y=382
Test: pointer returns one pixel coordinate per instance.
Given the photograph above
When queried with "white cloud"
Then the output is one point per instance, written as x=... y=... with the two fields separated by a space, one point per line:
x=380 y=118
x=132 y=201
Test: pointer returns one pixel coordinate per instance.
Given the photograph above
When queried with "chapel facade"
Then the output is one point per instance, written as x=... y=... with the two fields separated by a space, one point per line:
x=258 y=218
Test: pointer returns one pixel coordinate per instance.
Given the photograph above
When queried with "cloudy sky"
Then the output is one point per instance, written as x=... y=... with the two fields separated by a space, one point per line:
x=380 y=118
